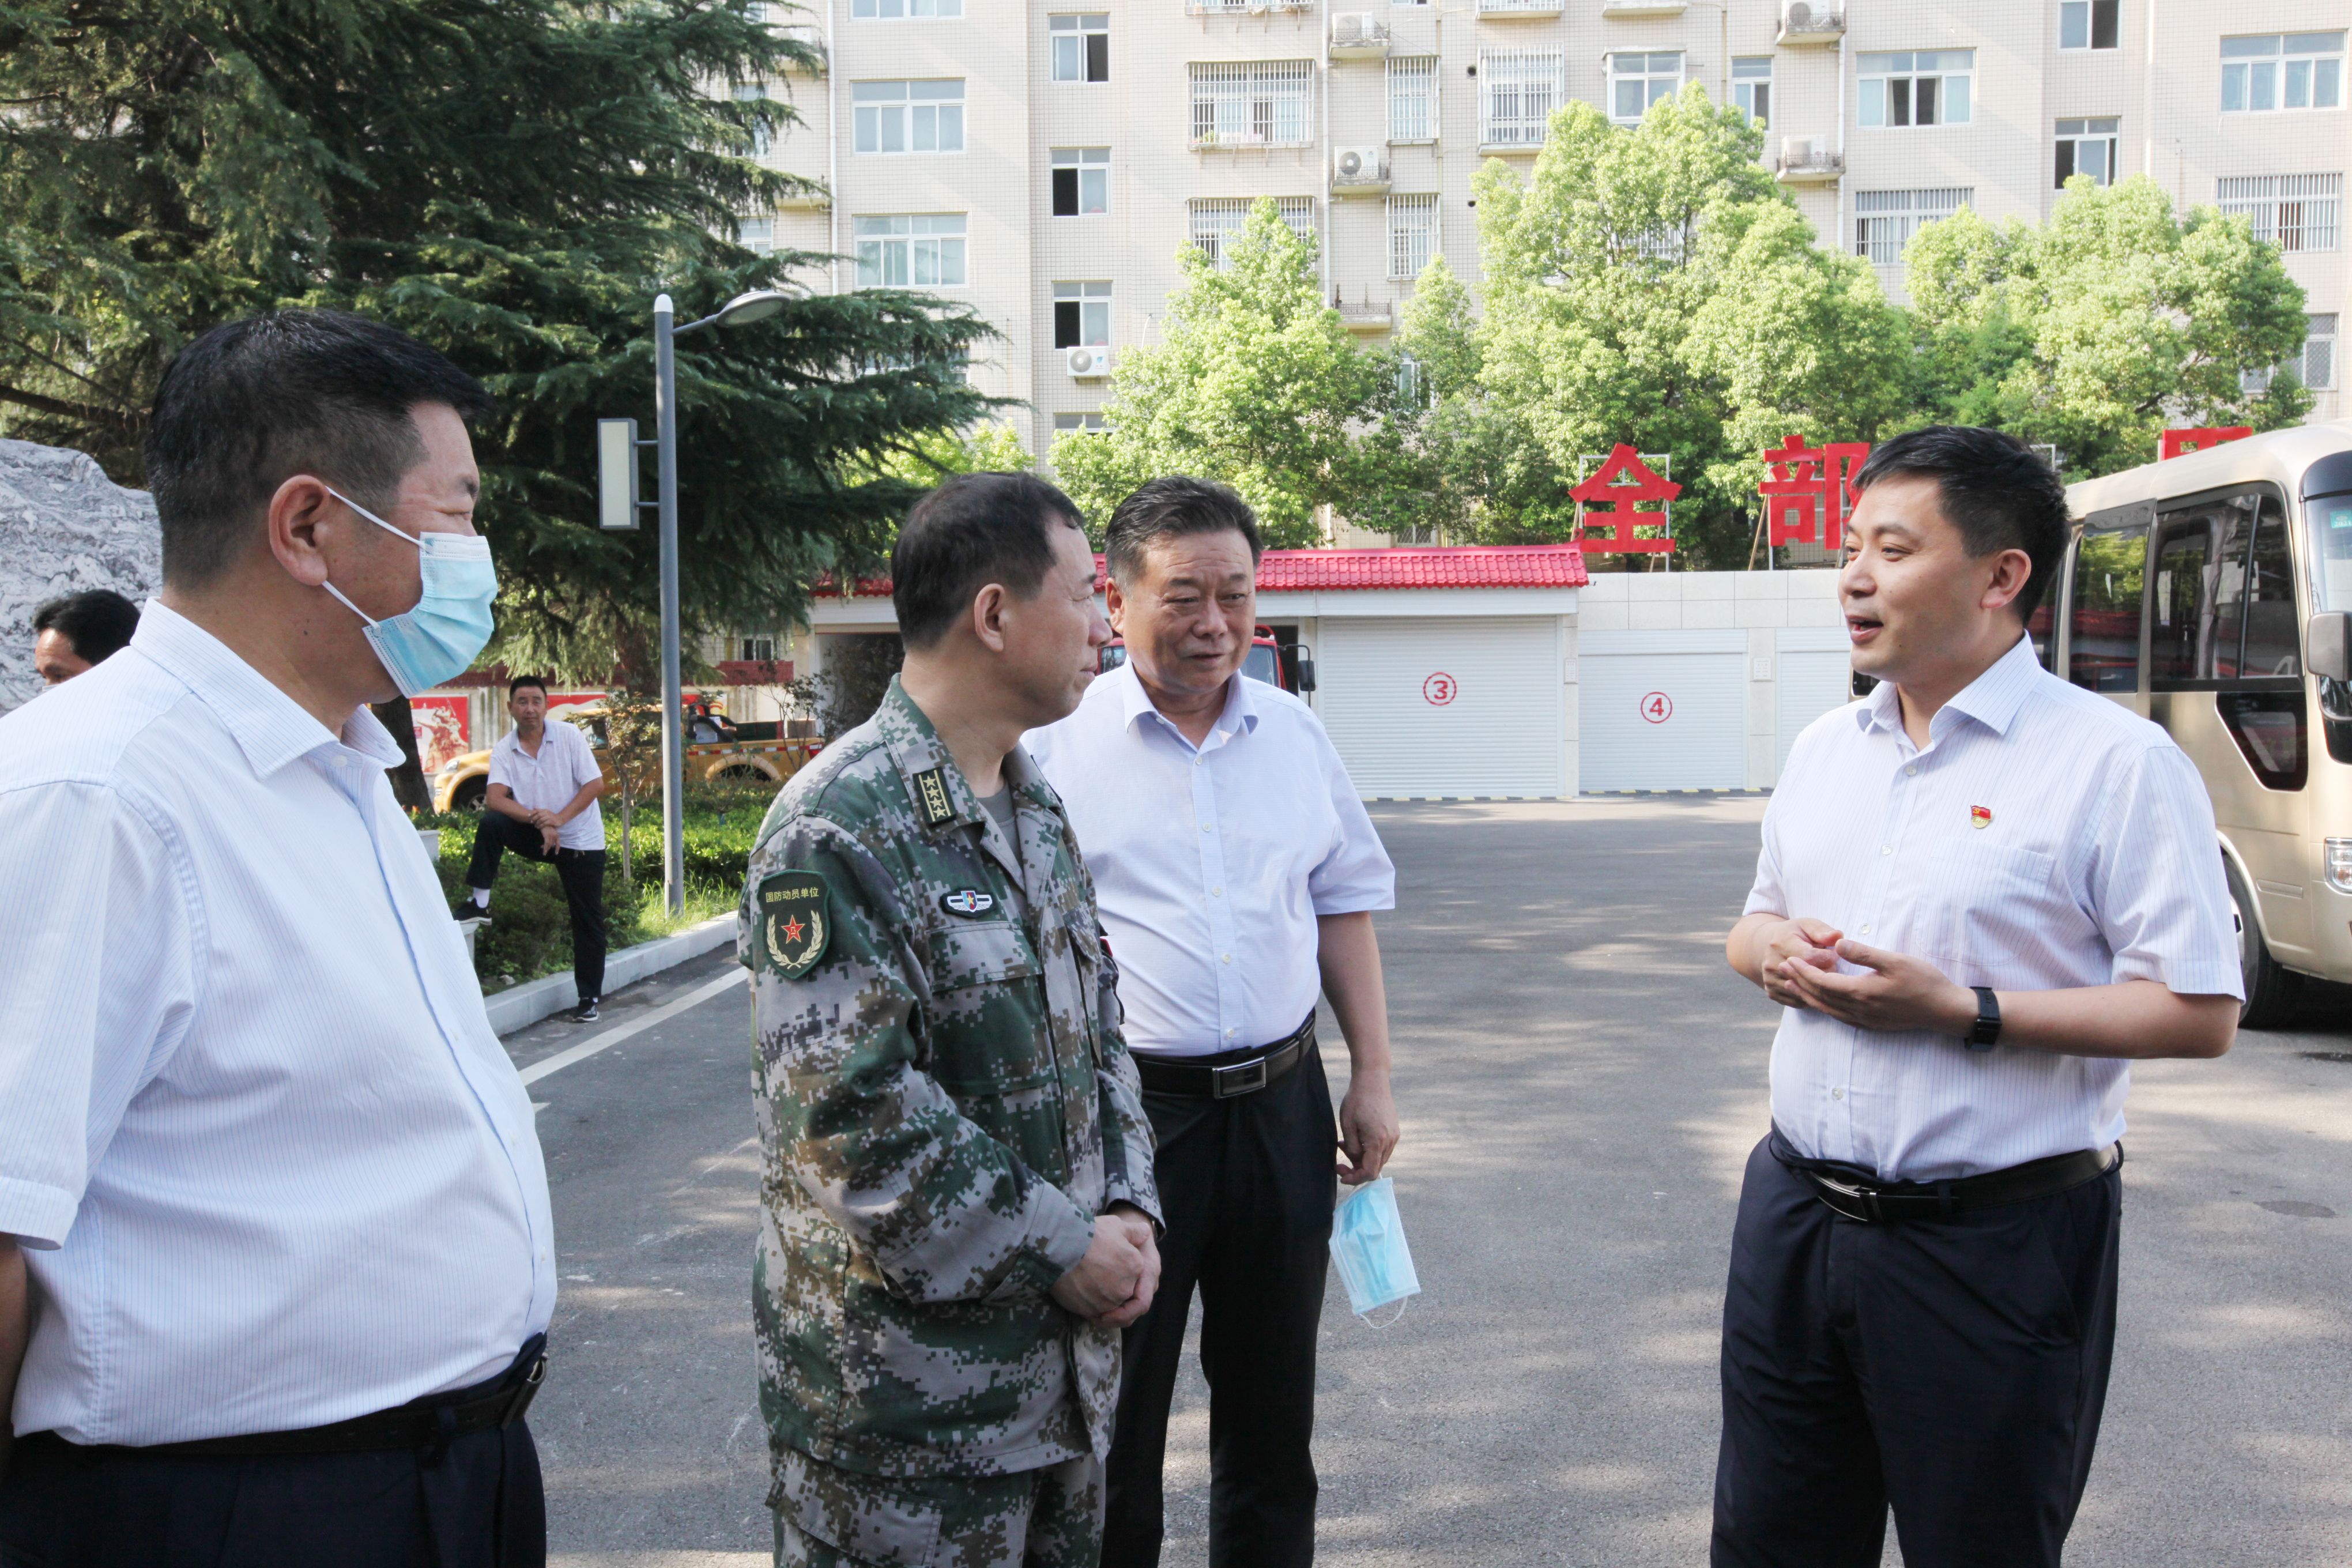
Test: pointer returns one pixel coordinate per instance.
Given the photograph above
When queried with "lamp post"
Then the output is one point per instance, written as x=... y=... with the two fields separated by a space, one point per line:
x=741 y=311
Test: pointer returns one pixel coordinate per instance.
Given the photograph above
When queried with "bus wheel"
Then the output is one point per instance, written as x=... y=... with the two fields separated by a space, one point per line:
x=2272 y=988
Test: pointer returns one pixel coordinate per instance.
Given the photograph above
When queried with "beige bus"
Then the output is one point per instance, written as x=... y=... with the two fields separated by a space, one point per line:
x=2210 y=594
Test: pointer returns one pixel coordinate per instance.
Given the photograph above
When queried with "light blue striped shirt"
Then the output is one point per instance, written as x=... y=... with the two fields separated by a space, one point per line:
x=2045 y=838
x=269 y=1163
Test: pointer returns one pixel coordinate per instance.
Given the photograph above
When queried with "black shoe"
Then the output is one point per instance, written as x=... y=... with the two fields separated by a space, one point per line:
x=586 y=1013
x=467 y=909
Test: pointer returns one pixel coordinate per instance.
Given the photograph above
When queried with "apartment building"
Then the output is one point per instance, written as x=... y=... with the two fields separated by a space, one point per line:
x=1048 y=160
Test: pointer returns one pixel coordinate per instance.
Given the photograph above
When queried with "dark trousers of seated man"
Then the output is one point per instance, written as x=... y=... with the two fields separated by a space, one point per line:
x=1953 y=1369
x=581 y=871
x=1246 y=1187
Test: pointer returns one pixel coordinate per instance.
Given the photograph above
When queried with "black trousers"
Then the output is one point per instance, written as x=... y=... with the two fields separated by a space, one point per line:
x=1246 y=1187
x=479 y=1505
x=581 y=872
x=1954 y=1369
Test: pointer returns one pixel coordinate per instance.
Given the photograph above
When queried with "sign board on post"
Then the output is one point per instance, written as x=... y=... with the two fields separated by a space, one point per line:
x=2181 y=442
x=1809 y=490
x=617 y=475
x=1607 y=501
x=443 y=722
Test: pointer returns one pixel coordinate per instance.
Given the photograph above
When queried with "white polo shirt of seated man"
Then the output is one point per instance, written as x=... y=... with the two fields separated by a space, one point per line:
x=1212 y=863
x=565 y=765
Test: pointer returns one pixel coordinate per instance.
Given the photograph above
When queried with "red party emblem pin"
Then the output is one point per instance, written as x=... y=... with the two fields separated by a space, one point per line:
x=1980 y=816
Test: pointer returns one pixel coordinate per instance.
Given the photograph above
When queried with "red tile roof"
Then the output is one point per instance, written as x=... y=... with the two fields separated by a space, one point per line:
x=1325 y=571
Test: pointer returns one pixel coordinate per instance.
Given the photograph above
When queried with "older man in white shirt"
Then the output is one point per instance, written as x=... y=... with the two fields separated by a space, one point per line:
x=1982 y=891
x=272 y=1212
x=1237 y=874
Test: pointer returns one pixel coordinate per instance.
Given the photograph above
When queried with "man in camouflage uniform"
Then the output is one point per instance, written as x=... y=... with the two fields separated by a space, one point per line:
x=959 y=1210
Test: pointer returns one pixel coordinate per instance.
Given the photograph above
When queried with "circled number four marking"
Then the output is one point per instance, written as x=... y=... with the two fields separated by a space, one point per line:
x=1657 y=707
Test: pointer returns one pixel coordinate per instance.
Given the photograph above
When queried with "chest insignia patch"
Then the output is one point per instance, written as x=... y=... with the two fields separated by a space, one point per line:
x=793 y=926
x=1980 y=816
x=931 y=794
x=967 y=901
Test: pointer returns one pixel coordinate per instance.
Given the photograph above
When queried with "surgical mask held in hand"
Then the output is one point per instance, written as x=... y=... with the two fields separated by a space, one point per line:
x=421 y=647
x=1368 y=1244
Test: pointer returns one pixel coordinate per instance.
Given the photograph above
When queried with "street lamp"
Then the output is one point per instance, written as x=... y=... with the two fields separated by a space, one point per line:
x=741 y=311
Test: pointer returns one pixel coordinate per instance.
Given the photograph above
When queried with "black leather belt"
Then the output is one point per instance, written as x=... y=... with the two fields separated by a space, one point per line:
x=427 y=1424
x=1859 y=1195
x=1227 y=1073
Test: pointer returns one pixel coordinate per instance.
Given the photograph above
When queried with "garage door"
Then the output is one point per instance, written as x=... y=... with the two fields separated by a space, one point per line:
x=1663 y=709
x=1816 y=674
x=1445 y=706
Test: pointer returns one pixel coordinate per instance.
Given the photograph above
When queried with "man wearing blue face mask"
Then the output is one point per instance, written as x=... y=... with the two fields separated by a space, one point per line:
x=264 y=1165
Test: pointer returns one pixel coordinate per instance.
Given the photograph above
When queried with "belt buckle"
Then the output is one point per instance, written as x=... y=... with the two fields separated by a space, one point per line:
x=1242 y=1078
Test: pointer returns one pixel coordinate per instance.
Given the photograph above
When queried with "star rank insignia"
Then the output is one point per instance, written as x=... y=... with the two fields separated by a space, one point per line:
x=794 y=929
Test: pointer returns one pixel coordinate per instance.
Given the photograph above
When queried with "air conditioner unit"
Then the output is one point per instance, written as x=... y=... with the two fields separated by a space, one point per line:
x=1359 y=165
x=1353 y=27
x=1797 y=150
x=1800 y=15
x=1087 y=362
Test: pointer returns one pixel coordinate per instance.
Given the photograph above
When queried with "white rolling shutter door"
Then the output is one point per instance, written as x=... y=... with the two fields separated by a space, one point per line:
x=1497 y=731
x=1662 y=710
x=1815 y=674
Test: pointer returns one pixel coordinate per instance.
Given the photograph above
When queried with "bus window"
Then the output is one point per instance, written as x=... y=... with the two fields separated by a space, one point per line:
x=2180 y=644
x=2104 y=653
x=2272 y=645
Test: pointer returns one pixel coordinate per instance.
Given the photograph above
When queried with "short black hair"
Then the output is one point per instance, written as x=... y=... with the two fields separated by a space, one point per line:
x=972 y=530
x=1171 y=508
x=1997 y=490
x=96 y=624
x=252 y=403
x=519 y=681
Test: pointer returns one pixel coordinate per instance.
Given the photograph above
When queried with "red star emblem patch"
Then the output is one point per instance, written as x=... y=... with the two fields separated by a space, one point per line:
x=793 y=930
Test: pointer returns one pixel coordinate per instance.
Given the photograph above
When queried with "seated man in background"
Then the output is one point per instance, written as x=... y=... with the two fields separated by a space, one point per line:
x=541 y=805
x=71 y=634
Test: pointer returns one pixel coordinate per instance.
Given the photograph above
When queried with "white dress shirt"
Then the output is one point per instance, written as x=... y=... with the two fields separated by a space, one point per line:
x=269 y=1163
x=565 y=765
x=2045 y=838
x=1212 y=862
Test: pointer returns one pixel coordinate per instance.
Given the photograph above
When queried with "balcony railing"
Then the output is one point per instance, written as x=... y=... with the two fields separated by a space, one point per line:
x=1244 y=8
x=1805 y=22
x=1519 y=7
x=1358 y=35
x=1365 y=315
x=1806 y=160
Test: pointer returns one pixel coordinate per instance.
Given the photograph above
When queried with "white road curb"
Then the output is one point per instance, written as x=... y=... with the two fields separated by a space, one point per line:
x=519 y=1007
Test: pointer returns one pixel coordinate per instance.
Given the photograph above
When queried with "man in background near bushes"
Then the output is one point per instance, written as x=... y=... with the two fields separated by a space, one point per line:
x=73 y=634
x=542 y=804
x=275 y=1257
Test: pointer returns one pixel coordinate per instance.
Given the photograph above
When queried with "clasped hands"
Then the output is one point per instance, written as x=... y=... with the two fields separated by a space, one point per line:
x=551 y=831
x=1799 y=969
x=1113 y=1284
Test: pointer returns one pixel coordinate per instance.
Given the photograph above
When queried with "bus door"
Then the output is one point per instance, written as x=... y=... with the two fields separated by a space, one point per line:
x=2105 y=645
x=2225 y=678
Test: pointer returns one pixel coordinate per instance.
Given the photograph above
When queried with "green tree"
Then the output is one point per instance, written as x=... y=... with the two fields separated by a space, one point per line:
x=2098 y=330
x=1655 y=287
x=1257 y=384
x=512 y=181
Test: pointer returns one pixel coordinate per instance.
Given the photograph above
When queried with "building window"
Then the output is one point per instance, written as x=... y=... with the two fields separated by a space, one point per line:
x=1412 y=234
x=1076 y=423
x=1638 y=80
x=908 y=116
x=1081 y=47
x=1081 y=315
x=910 y=250
x=891 y=10
x=2295 y=212
x=2086 y=147
x=1518 y=90
x=1884 y=221
x=1253 y=103
x=758 y=233
x=1413 y=98
x=757 y=650
x=2319 y=354
x=1752 y=87
x=2088 y=24
x=2282 y=70
x=1216 y=217
x=1927 y=87
x=1081 y=181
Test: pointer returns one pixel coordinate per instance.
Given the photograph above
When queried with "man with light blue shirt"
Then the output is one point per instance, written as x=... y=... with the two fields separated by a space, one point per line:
x=1982 y=891
x=274 y=1261
x=1237 y=874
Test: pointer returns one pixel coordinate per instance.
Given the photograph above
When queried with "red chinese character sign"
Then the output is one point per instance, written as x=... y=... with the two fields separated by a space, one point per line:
x=1809 y=490
x=1607 y=501
x=2180 y=443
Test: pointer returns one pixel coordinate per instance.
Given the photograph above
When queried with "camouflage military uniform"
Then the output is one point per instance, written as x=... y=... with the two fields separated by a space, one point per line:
x=946 y=1104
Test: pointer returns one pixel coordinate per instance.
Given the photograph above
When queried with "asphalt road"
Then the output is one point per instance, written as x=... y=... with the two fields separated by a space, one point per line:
x=1580 y=1080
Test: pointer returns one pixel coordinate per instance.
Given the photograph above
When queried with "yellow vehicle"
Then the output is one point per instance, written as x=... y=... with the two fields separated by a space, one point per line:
x=711 y=754
x=2210 y=593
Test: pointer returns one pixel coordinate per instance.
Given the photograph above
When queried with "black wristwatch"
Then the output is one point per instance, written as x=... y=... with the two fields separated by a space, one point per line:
x=1985 y=1033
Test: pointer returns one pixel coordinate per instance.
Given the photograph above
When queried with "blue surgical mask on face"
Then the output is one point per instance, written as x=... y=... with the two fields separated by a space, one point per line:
x=1368 y=1244
x=451 y=623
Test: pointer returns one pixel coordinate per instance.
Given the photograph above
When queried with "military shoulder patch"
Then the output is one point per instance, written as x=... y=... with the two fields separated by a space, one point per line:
x=931 y=793
x=794 y=924
x=967 y=901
